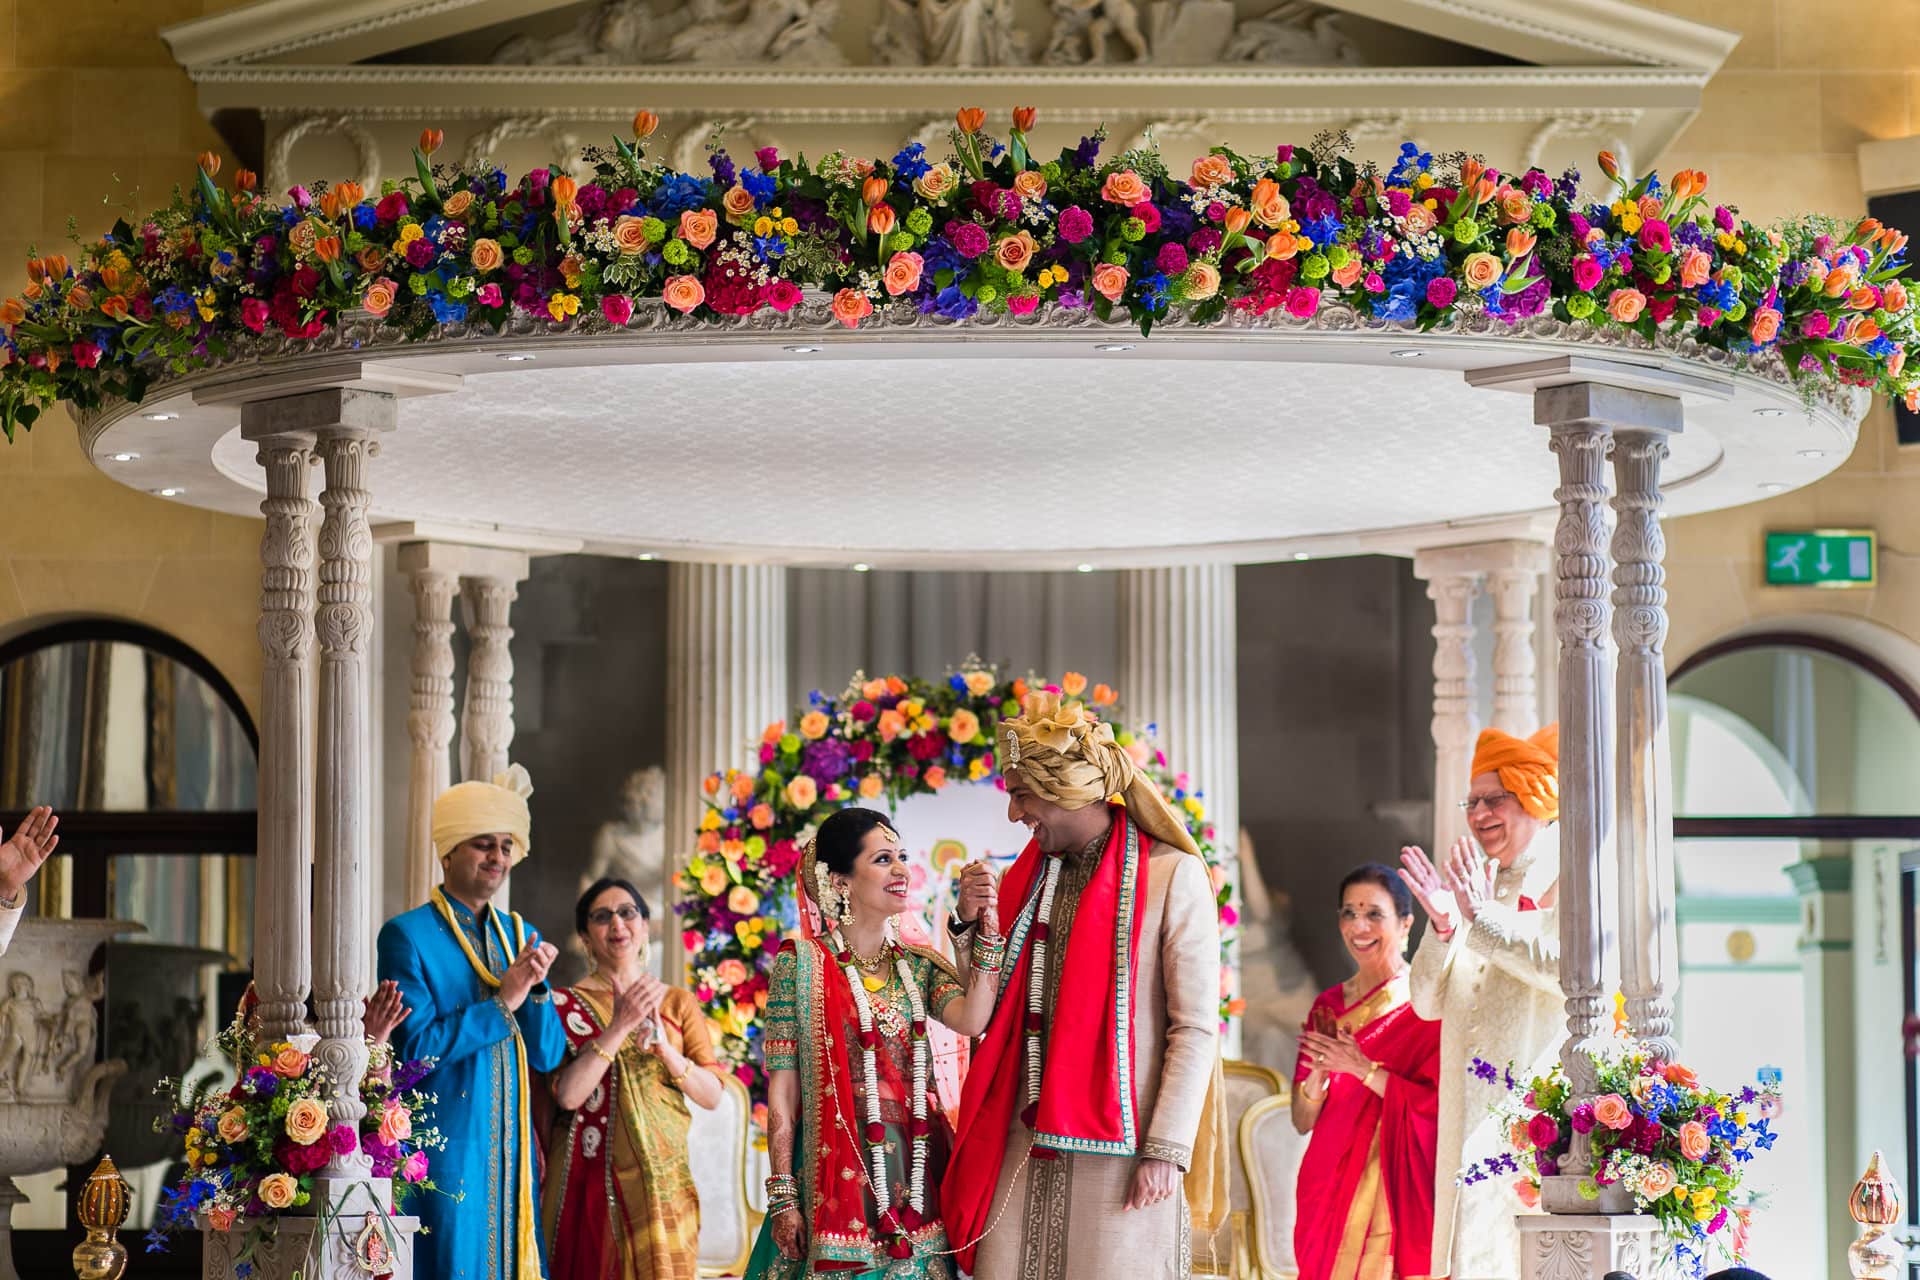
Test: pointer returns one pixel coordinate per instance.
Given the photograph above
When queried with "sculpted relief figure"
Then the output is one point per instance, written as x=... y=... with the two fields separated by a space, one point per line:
x=632 y=33
x=634 y=847
x=949 y=33
x=612 y=34
x=23 y=1033
x=1293 y=34
x=1081 y=29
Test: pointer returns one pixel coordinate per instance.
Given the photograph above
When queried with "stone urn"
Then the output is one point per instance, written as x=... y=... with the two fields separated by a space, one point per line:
x=156 y=1023
x=53 y=1095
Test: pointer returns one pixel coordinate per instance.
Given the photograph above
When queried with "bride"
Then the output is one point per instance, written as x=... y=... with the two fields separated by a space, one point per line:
x=856 y=1141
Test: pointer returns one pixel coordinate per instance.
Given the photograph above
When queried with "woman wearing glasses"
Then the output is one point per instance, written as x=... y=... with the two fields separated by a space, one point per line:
x=1366 y=1088
x=620 y=1203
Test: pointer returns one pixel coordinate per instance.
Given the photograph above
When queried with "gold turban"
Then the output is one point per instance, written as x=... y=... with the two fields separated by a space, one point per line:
x=485 y=808
x=1071 y=759
x=1528 y=767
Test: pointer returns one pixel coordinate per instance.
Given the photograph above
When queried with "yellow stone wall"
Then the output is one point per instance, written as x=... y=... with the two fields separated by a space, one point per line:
x=1777 y=134
x=91 y=104
x=90 y=101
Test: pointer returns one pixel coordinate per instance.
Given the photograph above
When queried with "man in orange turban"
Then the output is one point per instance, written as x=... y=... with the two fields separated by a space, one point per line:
x=1489 y=970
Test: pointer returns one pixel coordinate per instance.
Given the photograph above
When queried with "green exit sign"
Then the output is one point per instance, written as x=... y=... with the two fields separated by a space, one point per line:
x=1822 y=558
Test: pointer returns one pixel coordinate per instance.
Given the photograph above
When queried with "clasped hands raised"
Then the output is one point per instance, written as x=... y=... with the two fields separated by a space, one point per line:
x=1468 y=878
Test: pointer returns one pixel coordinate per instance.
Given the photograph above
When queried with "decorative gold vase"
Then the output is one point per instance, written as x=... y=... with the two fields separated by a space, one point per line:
x=103 y=1211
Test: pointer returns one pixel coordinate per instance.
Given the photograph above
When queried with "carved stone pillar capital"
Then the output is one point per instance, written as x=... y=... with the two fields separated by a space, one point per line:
x=1453 y=583
x=486 y=722
x=429 y=714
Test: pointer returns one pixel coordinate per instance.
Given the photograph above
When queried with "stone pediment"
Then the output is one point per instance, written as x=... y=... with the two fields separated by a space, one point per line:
x=308 y=89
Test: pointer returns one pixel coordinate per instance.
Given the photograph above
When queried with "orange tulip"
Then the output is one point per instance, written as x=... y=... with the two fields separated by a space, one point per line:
x=431 y=140
x=245 y=180
x=115 y=306
x=12 y=311
x=1023 y=118
x=564 y=190
x=880 y=219
x=36 y=270
x=1483 y=190
x=1237 y=220
x=56 y=265
x=1520 y=242
x=327 y=248
x=873 y=191
x=1868 y=228
x=1689 y=183
x=80 y=298
x=644 y=123
x=1609 y=165
x=970 y=119
x=210 y=164
x=1470 y=171
x=1893 y=241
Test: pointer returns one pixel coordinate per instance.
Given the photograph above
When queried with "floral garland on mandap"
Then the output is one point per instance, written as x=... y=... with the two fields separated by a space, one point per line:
x=253 y=1150
x=1677 y=1146
x=990 y=227
x=885 y=739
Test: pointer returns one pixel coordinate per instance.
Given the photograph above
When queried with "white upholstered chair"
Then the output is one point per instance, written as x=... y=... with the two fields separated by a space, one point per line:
x=1271 y=1151
x=717 y=1151
x=1226 y=1253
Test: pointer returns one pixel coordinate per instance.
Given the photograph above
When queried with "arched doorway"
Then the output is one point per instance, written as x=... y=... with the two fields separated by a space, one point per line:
x=150 y=758
x=1797 y=849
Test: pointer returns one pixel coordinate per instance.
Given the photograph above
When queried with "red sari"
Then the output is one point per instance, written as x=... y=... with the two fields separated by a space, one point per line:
x=1366 y=1184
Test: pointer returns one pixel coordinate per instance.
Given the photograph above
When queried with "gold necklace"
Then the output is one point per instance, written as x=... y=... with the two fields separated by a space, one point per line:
x=872 y=964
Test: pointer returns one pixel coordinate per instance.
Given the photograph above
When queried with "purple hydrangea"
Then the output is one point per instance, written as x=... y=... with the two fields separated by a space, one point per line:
x=826 y=760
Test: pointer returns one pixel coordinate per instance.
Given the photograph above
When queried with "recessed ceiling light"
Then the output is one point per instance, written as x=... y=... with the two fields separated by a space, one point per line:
x=1773 y=486
x=1813 y=453
x=126 y=457
x=1083 y=568
x=803 y=351
x=1301 y=555
x=645 y=555
x=862 y=568
x=1408 y=353
x=1769 y=413
x=1114 y=346
x=518 y=357
x=170 y=492
x=159 y=417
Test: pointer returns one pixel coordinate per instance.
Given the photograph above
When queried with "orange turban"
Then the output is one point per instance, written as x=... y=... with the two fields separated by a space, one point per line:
x=1528 y=767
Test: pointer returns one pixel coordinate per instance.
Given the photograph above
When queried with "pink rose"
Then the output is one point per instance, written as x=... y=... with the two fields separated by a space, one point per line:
x=699 y=226
x=1543 y=1131
x=414 y=1169
x=1124 y=186
x=903 y=273
x=1586 y=272
x=253 y=314
x=1695 y=267
x=617 y=308
x=1345 y=274
x=684 y=293
x=396 y=1124
x=783 y=295
x=1658 y=1181
x=1528 y=1193
x=1025 y=304
x=1611 y=1110
x=1110 y=281
x=490 y=296
x=1694 y=1142
x=1302 y=301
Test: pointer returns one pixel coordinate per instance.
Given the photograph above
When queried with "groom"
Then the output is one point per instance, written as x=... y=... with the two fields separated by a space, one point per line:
x=1090 y=1129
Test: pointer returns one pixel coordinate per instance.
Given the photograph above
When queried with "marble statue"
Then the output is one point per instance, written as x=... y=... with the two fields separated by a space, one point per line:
x=950 y=33
x=74 y=1030
x=634 y=846
x=1081 y=29
x=1274 y=979
x=25 y=1031
x=1293 y=34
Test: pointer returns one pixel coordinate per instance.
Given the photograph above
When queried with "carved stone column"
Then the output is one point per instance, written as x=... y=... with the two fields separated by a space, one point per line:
x=1516 y=706
x=1453 y=580
x=282 y=957
x=1179 y=671
x=1649 y=943
x=343 y=830
x=726 y=681
x=486 y=721
x=430 y=713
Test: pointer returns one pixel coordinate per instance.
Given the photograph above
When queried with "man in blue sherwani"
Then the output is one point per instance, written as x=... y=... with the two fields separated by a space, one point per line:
x=475 y=980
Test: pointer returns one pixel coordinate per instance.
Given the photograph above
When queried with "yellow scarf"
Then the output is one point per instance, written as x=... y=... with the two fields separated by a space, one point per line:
x=528 y=1238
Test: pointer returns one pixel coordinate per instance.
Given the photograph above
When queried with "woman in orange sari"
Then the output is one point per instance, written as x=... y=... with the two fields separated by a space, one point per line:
x=620 y=1202
x=1366 y=1088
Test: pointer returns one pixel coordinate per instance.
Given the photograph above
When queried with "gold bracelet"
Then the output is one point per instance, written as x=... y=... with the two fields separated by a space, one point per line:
x=684 y=1073
x=602 y=1051
x=1367 y=1079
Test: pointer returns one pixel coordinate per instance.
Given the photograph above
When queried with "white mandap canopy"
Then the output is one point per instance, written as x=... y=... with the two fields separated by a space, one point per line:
x=787 y=439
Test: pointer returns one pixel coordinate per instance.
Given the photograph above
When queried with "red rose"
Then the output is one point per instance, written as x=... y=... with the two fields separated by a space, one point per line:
x=862 y=751
x=900 y=1248
x=391 y=208
x=1034 y=1022
x=919 y=1028
x=876 y=1132
x=253 y=314
x=869 y=1039
x=920 y=1129
x=911 y=1219
x=1042 y=931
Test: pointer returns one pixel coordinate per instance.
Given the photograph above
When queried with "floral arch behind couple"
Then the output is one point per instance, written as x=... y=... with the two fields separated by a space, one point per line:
x=882 y=742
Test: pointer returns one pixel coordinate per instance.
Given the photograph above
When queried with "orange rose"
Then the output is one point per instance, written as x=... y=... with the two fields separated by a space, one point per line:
x=979 y=683
x=1480 y=270
x=850 y=307
x=233 y=1126
x=1649 y=208
x=1528 y=1194
x=629 y=234
x=307 y=1121
x=1269 y=207
x=742 y=786
x=289 y=1063
x=278 y=1191
x=1695 y=266
x=698 y=227
x=1203 y=280
x=964 y=727
x=379 y=297
x=1694 y=1142
x=1611 y=1110
x=774 y=732
x=1659 y=1180
x=1345 y=275
x=1124 y=186
x=1211 y=171
x=738 y=204
x=761 y=817
x=814 y=725
x=881 y=219
x=486 y=255
x=937 y=183
x=396 y=1123
x=1766 y=325
x=1073 y=684
x=871 y=786
x=221 y=1217
x=1030 y=183
x=1110 y=281
x=903 y=273
x=1515 y=207
x=803 y=793
x=684 y=293
x=1625 y=305
x=890 y=725
x=1419 y=220
x=936 y=777
x=1014 y=252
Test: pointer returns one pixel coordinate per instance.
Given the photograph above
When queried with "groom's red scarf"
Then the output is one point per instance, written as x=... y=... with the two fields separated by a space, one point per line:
x=1086 y=1087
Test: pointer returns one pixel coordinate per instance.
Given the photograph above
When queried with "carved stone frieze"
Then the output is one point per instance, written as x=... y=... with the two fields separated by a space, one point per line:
x=366 y=149
x=952 y=33
x=731 y=32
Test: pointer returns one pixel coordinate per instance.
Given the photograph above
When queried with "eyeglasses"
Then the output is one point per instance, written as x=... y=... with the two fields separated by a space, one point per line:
x=604 y=916
x=1350 y=916
x=1492 y=802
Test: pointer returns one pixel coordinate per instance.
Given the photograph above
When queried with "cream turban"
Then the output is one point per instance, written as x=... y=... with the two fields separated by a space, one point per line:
x=1528 y=767
x=484 y=808
x=1071 y=759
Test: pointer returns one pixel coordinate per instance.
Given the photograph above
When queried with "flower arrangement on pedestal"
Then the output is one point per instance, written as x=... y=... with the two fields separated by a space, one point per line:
x=988 y=228
x=888 y=738
x=1679 y=1147
x=253 y=1150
